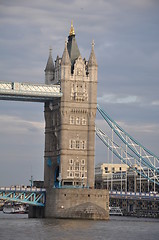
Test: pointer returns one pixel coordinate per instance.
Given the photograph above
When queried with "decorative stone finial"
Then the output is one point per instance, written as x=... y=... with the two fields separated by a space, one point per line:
x=93 y=43
x=50 y=64
x=65 y=57
x=66 y=42
x=50 y=50
x=72 y=31
x=92 y=60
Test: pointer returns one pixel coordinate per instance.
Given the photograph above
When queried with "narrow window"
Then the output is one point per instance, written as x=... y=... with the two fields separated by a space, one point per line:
x=77 y=166
x=78 y=121
x=71 y=144
x=77 y=144
x=71 y=120
x=83 y=162
x=83 y=144
x=83 y=121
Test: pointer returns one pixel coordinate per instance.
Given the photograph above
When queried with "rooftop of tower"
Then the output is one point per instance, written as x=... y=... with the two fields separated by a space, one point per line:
x=72 y=31
x=72 y=47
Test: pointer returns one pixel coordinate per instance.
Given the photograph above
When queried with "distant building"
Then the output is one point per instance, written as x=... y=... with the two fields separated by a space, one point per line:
x=120 y=177
x=107 y=175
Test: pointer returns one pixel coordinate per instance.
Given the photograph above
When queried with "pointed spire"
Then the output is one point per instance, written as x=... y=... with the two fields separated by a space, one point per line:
x=72 y=31
x=50 y=64
x=65 y=57
x=92 y=59
x=72 y=47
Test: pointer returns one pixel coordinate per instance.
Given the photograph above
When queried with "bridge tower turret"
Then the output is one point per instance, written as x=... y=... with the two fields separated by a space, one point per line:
x=49 y=70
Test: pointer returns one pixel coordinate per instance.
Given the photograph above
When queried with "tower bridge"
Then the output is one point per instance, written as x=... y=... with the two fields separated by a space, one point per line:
x=70 y=103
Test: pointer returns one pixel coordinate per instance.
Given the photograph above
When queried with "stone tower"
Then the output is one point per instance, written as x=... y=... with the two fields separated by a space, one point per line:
x=70 y=139
x=70 y=120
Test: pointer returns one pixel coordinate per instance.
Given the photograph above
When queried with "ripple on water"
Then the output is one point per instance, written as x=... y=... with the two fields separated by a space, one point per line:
x=19 y=227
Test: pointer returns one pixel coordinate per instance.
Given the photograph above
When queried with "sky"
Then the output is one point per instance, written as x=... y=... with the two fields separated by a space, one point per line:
x=126 y=35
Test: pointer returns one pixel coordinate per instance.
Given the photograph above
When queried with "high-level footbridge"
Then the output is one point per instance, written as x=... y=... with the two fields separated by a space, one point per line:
x=30 y=92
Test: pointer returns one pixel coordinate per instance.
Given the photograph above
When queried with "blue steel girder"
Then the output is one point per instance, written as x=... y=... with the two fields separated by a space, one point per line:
x=119 y=152
x=131 y=143
x=35 y=197
x=130 y=151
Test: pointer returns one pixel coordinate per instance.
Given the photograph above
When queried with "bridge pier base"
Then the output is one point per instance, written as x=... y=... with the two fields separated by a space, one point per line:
x=36 y=212
x=77 y=203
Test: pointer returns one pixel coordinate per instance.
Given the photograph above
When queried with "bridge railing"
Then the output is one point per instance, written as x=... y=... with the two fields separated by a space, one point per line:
x=26 y=189
x=135 y=195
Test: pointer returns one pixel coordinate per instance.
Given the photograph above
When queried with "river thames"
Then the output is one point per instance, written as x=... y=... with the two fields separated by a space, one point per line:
x=19 y=227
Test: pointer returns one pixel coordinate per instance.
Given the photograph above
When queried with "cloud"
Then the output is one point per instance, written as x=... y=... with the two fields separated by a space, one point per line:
x=141 y=128
x=15 y=125
x=115 y=99
x=137 y=3
x=155 y=103
x=131 y=128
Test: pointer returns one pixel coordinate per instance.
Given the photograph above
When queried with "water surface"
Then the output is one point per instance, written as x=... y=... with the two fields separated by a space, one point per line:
x=19 y=227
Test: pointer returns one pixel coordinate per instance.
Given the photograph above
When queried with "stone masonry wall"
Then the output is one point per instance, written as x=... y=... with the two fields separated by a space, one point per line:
x=77 y=203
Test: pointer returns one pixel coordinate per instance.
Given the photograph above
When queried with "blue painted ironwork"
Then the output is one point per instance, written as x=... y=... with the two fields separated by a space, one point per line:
x=58 y=159
x=138 y=154
x=32 y=196
x=117 y=150
x=121 y=133
x=49 y=163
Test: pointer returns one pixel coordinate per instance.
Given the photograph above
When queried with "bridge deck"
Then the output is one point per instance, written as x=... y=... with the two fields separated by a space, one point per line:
x=28 y=92
x=36 y=196
x=31 y=196
x=134 y=195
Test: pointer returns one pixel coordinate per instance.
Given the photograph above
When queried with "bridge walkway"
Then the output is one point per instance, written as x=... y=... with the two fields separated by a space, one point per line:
x=29 y=92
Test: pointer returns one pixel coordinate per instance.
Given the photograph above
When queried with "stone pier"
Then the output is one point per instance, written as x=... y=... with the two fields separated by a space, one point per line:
x=77 y=204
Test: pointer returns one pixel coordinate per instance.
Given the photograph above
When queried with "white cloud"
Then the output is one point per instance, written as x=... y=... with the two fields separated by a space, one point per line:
x=155 y=103
x=140 y=128
x=115 y=99
x=131 y=128
x=16 y=125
